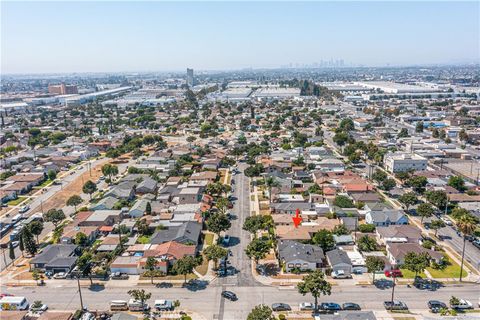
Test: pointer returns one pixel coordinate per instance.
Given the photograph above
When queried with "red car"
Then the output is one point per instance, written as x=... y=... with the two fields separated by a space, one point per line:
x=393 y=273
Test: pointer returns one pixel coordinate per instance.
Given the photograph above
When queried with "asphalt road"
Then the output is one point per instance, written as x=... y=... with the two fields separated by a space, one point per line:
x=208 y=301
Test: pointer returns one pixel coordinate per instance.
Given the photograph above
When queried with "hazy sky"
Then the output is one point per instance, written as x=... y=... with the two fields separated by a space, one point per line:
x=156 y=36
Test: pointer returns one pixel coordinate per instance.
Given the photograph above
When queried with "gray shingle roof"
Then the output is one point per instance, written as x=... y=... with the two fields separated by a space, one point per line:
x=291 y=250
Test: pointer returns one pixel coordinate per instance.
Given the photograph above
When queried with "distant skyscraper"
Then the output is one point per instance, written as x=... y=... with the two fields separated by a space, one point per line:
x=190 y=78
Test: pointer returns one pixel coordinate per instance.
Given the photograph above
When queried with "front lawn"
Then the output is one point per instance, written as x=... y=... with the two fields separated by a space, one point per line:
x=203 y=268
x=43 y=184
x=451 y=271
x=407 y=274
x=17 y=201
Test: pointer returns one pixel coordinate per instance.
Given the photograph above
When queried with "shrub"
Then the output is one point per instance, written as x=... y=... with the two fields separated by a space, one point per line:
x=282 y=317
x=366 y=228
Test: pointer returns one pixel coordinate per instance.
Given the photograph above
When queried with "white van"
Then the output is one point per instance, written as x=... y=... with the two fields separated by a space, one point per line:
x=118 y=305
x=135 y=305
x=13 y=303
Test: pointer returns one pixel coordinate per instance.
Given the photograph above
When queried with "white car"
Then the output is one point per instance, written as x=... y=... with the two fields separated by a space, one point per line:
x=447 y=221
x=340 y=274
x=60 y=275
x=38 y=308
x=306 y=306
x=23 y=209
x=462 y=304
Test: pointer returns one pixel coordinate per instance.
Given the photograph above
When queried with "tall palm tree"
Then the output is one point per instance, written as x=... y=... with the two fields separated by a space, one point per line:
x=466 y=224
x=271 y=182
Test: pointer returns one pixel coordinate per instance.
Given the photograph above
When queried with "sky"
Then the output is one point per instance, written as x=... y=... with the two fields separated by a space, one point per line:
x=57 y=37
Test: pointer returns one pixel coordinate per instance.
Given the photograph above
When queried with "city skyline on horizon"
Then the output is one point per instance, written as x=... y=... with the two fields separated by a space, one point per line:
x=169 y=37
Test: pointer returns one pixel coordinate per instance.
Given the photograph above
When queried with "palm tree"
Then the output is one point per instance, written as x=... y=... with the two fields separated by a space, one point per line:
x=466 y=224
x=271 y=182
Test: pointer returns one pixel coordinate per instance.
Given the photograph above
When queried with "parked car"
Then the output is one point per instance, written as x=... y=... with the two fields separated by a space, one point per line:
x=38 y=308
x=340 y=274
x=435 y=306
x=330 y=307
x=119 y=276
x=23 y=209
x=229 y=295
x=164 y=305
x=396 y=305
x=306 y=306
x=462 y=305
x=281 y=307
x=393 y=273
x=60 y=275
x=351 y=306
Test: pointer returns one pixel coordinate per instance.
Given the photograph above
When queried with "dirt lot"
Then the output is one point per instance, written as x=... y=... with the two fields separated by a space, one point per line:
x=75 y=187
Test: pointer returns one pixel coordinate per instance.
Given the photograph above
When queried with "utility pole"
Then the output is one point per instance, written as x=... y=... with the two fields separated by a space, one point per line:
x=393 y=288
x=463 y=256
x=80 y=293
x=4 y=258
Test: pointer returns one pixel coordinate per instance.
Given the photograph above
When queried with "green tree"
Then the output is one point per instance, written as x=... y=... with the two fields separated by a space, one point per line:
x=403 y=133
x=218 y=222
x=52 y=175
x=261 y=312
x=418 y=183
x=270 y=183
x=214 y=253
x=466 y=224
x=36 y=228
x=419 y=127
x=425 y=210
x=185 y=266
x=89 y=188
x=140 y=295
x=109 y=170
x=11 y=251
x=21 y=245
x=81 y=239
x=437 y=197
x=408 y=199
x=258 y=249
x=324 y=239
x=340 y=138
x=416 y=262
x=379 y=175
x=388 y=184
x=367 y=244
x=151 y=265
x=343 y=202
x=315 y=284
x=29 y=242
x=54 y=216
x=74 y=201
x=253 y=224
x=36 y=275
x=374 y=264
x=436 y=225
x=85 y=265
x=148 y=208
x=340 y=230
x=457 y=183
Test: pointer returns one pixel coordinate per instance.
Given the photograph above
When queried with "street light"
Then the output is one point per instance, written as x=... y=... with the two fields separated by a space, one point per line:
x=80 y=293
x=393 y=287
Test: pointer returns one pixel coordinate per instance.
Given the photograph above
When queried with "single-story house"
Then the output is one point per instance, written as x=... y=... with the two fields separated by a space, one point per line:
x=396 y=252
x=386 y=218
x=186 y=233
x=339 y=261
x=297 y=255
x=56 y=258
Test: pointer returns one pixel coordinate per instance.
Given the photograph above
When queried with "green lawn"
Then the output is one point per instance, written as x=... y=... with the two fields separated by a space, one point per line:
x=143 y=239
x=407 y=274
x=209 y=238
x=451 y=271
x=16 y=201
x=43 y=184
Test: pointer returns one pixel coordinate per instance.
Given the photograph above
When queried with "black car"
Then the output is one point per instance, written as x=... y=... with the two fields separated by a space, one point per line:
x=281 y=307
x=350 y=306
x=229 y=295
x=330 y=307
x=435 y=306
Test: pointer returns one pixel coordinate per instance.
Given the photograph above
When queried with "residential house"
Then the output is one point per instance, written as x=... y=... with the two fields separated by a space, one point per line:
x=107 y=203
x=102 y=218
x=398 y=233
x=297 y=255
x=187 y=233
x=396 y=252
x=386 y=218
x=138 y=209
x=55 y=258
x=339 y=261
